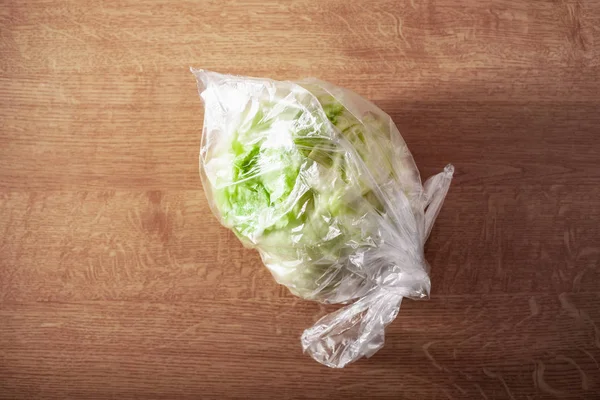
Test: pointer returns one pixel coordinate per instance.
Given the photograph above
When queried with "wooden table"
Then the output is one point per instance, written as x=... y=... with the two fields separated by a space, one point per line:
x=117 y=282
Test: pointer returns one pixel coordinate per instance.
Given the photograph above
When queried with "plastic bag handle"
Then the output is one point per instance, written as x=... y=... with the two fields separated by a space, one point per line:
x=352 y=332
x=436 y=188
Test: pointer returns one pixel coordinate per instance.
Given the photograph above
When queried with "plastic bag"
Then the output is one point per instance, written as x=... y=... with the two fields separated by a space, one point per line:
x=320 y=182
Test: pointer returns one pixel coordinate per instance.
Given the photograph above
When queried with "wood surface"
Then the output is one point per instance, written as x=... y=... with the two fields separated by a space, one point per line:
x=117 y=282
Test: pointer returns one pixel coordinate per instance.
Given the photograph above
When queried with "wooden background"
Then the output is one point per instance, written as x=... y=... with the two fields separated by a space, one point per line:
x=117 y=282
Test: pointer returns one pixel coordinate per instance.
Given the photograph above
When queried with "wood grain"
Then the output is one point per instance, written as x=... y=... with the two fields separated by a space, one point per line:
x=117 y=282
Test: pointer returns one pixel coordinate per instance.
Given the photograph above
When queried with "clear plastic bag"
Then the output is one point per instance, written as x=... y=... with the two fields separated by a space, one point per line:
x=320 y=182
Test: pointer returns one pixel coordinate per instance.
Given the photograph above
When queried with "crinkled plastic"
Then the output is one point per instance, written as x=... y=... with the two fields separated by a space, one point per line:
x=320 y=182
